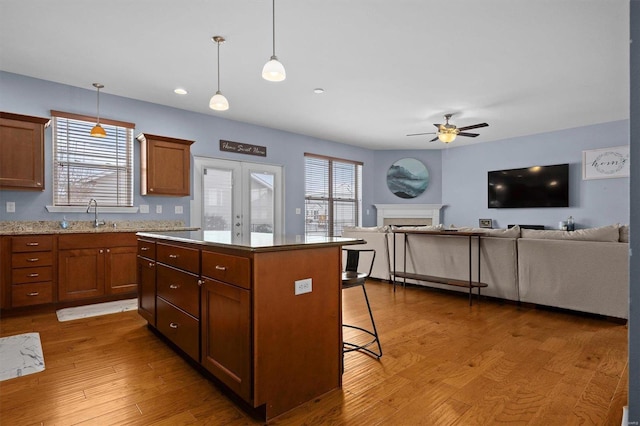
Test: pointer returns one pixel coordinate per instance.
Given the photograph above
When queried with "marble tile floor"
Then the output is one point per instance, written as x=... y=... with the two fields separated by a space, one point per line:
x=78 y=312
x=20 y=355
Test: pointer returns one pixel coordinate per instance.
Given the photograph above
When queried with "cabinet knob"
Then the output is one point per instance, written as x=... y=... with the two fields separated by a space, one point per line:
x=200 y=282
x=108 y=250
x=101 y=251
x=150 y=189
x=221 y=268
x=174 y=286
x=33 y=293
x=151 y=264
x=173 y=325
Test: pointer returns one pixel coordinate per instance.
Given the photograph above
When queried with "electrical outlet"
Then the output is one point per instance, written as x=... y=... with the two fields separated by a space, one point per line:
x=303 y=286
x=298 y=238
x=144 y=208
x=178 y=210
x=298 y=211
x=11 y=207
x=159 y=208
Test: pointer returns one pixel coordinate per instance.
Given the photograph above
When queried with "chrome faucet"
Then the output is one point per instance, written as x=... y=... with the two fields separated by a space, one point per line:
x=96 y=222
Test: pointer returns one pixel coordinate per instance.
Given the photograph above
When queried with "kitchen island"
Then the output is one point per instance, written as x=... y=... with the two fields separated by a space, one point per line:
x=264 y=320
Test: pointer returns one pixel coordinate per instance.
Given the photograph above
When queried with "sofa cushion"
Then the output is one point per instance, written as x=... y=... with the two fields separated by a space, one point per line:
x=608 y=233
x=418 y=228
x=624 y=233
x=513 y=232
x=366 y=228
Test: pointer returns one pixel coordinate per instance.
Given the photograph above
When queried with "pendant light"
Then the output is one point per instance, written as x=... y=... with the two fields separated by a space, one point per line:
x=218 y=102
x=274 y=70
x=97 y=131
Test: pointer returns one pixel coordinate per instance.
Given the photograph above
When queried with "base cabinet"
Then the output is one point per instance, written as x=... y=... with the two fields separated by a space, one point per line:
x=226 y=335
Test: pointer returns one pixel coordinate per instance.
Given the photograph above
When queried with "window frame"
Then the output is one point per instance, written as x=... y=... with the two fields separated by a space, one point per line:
x=129 y=166
x=331 y=200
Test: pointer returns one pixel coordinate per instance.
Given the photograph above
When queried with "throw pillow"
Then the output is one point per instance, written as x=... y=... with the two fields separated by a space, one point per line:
x=608 y=233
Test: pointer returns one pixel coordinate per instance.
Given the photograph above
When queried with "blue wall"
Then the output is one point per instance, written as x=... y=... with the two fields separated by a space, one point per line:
x=24 y=95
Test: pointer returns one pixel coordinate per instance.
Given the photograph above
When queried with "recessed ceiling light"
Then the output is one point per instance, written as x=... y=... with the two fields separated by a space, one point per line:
x=180 y=91
x=318 y=90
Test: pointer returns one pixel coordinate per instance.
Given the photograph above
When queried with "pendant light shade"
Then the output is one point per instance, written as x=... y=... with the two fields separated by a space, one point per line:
x=218 y=102
x=97 y=131
x=274 y=70
x=447 y=137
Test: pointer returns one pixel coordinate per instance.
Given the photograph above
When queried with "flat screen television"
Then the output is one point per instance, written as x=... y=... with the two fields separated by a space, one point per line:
x=537 y=186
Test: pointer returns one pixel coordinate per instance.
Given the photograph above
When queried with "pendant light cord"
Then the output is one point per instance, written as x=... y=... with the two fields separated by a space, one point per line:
x=273 y=8
x=218 y=42
x=98 y=106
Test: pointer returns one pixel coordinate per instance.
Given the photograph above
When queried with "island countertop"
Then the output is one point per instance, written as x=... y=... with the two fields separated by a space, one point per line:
x=280 y=242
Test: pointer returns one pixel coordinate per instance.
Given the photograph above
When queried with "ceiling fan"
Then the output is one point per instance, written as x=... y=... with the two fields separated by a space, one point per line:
x=448 y=132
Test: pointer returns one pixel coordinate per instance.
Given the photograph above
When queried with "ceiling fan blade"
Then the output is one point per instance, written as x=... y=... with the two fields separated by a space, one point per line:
x=420 y=134
x=439 y=126
x=434 y=139
x=475 y=126
x=471 y=135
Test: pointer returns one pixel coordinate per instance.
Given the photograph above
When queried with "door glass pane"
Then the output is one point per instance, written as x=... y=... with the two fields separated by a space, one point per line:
x=261 y=208
x=217 y=204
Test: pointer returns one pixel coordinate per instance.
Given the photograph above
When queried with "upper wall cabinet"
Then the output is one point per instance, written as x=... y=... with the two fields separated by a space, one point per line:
x=164 y=165
x=22 y=148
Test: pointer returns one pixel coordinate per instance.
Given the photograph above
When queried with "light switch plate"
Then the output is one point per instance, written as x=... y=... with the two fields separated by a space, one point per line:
x=11 y=207
x=159 y=208
x=178 y=210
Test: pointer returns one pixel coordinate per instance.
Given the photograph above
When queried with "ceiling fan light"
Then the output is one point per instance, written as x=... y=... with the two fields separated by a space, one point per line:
x=218 y=102
x=98 y=132
x=273 y=70
x=446 y=137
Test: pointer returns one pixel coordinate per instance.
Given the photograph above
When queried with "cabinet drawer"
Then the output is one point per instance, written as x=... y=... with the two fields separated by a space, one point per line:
x=224 y=267
x=180 y=288
x=31 y=243
x=31 y=275
x=31 y=294
x=179 y=327
x=180 y=257
x=147 y=249
x=27 y=260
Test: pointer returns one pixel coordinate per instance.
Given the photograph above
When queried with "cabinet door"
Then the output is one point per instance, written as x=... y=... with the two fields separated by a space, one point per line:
x=147 y=290
x=22 y=147
x=226 y=335
x=165 y=165
x=121 y=270
x=80 y=273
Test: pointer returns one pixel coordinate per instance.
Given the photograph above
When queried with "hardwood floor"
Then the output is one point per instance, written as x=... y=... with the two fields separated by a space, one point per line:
x=444 y=363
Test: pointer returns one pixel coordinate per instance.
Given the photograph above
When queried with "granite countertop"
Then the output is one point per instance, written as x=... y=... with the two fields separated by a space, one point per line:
x=78 y=227
x=277 y=243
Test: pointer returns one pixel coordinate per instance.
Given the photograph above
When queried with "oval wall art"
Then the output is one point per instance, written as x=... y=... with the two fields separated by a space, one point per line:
x=407 y=178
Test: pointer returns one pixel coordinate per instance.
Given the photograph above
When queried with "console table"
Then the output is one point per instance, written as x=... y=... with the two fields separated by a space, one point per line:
x=470 y=284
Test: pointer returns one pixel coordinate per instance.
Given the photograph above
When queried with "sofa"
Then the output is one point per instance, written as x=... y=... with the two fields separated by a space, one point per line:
x=585 y=270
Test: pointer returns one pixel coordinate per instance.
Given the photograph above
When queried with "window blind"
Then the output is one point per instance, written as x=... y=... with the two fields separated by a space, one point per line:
x=85 y=167
x=332 y=195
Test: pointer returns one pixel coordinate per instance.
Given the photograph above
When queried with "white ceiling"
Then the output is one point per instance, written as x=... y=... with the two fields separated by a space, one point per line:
x=388 y=68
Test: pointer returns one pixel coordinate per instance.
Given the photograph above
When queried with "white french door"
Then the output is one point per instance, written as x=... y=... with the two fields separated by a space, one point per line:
x=237 y=202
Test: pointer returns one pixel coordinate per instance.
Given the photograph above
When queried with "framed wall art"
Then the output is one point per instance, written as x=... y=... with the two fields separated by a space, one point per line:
x=407 y=178
x=605 y=163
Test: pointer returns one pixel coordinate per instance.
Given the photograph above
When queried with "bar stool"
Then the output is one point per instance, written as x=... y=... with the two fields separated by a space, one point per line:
x=352 y=278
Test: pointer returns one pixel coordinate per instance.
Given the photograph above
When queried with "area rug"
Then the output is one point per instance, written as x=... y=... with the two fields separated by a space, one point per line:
x=20 y=355
x=88 y=311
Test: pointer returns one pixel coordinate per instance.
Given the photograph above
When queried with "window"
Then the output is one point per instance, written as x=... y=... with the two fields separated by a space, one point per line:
x=86 y=167
x=333 y=189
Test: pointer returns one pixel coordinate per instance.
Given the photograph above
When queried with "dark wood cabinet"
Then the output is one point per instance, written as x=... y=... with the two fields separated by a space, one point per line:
x=165 y=165
x=226 y=335
x=32 y=270
x=93 y=265
x=147 y=280
x=22 y=148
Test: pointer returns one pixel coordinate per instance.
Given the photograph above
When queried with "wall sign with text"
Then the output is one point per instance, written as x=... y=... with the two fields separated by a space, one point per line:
x=605 y=163
x=243 y=148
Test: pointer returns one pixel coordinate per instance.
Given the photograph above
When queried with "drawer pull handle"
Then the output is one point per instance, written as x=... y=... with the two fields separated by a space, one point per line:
x=173 y=325
x=173 y=256
x=200 y=282
x=174 y=286
x=151 y=264
x=35 y=274
x=144 y=248
x=33 y=244
x=33 y=293
x=33 y=259
x=221 y=268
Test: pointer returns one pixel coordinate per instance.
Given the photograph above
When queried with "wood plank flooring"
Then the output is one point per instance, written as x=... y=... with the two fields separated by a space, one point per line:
x=444 y=363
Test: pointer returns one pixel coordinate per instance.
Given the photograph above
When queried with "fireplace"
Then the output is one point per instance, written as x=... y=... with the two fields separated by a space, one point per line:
x=408 y=214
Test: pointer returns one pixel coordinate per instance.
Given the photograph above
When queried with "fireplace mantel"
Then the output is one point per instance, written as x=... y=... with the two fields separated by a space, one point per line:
x=402 y=212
